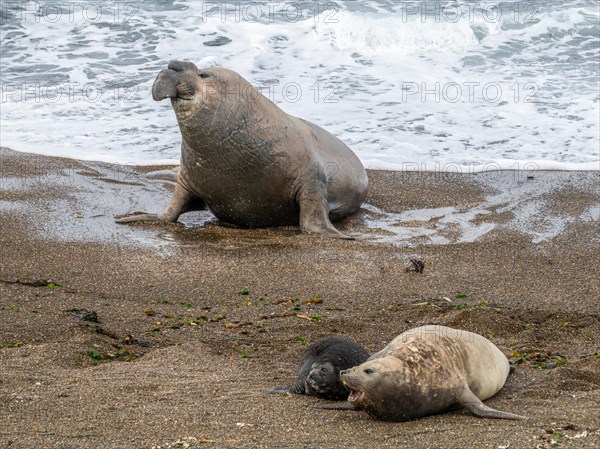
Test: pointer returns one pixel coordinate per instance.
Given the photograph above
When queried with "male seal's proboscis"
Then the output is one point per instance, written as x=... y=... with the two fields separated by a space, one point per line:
x=249 y=162
x=427 y=370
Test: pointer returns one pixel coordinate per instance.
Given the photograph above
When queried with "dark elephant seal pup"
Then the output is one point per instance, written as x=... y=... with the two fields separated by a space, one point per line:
x=426 y=370
x=319 y=373
x=249 y=162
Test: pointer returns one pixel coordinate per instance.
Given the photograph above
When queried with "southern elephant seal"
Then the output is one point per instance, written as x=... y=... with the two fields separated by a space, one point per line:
x=427 y=370
x=320 y=367
x=249 y=162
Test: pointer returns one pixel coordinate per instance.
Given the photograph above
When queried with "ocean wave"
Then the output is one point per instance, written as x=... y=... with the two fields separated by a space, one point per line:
x=396 y=84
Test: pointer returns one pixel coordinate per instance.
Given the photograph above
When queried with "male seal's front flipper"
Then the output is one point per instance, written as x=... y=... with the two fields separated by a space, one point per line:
x=468 y=400
x=314 y=216
x=182 y=201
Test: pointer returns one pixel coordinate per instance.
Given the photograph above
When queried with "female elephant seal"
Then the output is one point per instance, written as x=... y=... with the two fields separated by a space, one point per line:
x=249 y=162
x=426 y=370
x=319 y=373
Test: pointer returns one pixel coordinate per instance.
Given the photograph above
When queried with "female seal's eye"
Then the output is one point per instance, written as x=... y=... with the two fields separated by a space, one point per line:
x=324 y=370
x=369 y=371
x=203 y=75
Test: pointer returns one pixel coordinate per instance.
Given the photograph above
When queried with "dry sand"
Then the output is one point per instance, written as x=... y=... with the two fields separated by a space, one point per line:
x=181 y=357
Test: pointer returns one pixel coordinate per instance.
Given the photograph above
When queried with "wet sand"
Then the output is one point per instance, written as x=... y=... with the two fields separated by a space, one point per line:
x=141 y=336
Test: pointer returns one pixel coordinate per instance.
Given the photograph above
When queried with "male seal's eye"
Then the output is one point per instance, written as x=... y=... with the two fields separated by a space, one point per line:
x=324 y=370
x=203 y=75
x=369 y=371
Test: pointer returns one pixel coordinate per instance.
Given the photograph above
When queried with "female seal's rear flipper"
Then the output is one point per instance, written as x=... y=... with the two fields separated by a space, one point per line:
x=182 y=201
x=468 y=400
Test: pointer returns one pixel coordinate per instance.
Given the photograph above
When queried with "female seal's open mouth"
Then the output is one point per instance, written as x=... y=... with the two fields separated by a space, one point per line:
x=354 y=395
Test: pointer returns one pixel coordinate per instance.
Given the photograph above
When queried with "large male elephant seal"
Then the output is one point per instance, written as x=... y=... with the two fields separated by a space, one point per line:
x=426 y=370
x=322 y=361
x=249 y=162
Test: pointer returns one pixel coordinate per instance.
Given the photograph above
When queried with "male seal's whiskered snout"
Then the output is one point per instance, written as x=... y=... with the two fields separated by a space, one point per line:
x=185 y=91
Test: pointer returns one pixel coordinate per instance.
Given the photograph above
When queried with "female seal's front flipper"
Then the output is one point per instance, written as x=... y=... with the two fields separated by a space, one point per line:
x=468 y=400
x=182 y=201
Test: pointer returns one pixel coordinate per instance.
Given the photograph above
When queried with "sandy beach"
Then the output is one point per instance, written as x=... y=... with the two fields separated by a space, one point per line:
x=168 y=335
